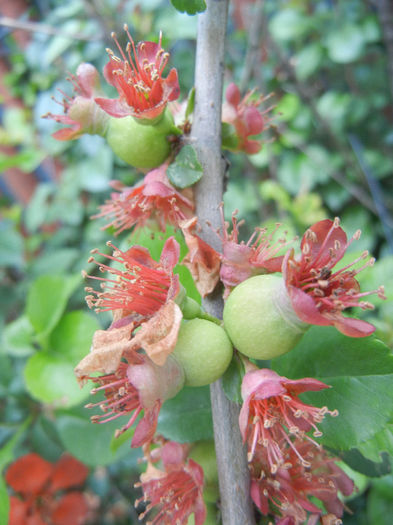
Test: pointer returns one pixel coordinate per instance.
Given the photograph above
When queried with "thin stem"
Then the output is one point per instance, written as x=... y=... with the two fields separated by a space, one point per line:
x=233 y=472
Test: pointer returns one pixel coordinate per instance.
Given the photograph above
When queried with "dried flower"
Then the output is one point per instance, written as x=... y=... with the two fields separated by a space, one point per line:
x=319 y=294
x=137 y=76
x=81 y=112
x=38 y=482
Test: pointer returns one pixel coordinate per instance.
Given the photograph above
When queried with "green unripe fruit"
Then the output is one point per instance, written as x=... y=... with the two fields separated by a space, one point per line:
x=140 y=145
x=260 y=320
x=204 y=351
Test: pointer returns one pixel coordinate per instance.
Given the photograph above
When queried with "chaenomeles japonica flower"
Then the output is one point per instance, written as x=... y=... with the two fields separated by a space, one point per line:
x=141 y=293
x=47 y=493
x=80 y=112
x=138 y=78
x=266 y=315
x=238 y=261
x=286 y=493
x=153 y=201
x=172 y=486
x=246 y=118
x=272 y=413
x=131 y=383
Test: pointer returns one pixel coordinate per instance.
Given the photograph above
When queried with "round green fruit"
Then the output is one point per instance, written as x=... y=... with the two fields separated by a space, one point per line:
x=260 y=320
x=140 y=145
x=204 y=351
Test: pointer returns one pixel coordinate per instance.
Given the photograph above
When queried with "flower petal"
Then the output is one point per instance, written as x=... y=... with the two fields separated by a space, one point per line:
x=29 y=474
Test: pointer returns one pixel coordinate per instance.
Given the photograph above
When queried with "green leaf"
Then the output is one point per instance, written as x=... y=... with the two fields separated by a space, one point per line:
x=232 y=380
x=50 y=379
x=372 y=469
x=190 y=103
x=186 y=170
x=308 y=60
x=17 y=337
x=49 y=374
x=11 y=245
x=7 y=450
x=190 y=7
x=88 y=442
x=381 y=442
x=289 y=24
x=359 y=370
x=47 y=299
x=345 y=44
x=187 y=417
x=380 y=503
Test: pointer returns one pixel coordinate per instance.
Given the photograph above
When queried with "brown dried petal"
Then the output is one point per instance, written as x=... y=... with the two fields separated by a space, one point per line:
x=106 y=352
x=158 y=336
x=202 y=260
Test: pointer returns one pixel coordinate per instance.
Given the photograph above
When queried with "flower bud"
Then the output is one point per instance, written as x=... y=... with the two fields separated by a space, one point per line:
x=204 y=351
x=140 y=145
x=260 y=320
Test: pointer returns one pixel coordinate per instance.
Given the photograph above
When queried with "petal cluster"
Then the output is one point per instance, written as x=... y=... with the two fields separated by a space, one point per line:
x=272 y=413
x=37 y=484
x=81 y=113
x=137 y=77
x=317 y=292
x=155 y=199
x=243 y=114
x=174 y=491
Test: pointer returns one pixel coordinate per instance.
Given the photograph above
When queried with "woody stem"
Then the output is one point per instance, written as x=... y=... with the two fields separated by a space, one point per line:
x=233 y=472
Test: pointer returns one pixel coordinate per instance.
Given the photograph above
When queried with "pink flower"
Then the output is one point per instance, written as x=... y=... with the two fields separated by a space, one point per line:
x=318 y=294
x=246 y=118
x=272 y=413
x=81 y=112
x=137 y=384
x=155 y=199
x=137 y=76
x=177 y=490
x=141 y=293
x=44 y=495
x=242 y=260
x=286 y=492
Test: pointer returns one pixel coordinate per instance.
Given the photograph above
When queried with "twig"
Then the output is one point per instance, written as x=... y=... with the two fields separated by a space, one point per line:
x=254 y=42
x=206 y=131
x=37 y=27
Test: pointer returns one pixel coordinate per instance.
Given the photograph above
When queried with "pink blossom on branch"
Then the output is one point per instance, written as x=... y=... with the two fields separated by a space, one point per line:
x=272 y=413
x=137 y=76
x=141 y=293
x=136 y=385
x=174 y=491
x=243 y=114
x=286 y=493
x=81 y=113
x=319 y=294
x=155 y=199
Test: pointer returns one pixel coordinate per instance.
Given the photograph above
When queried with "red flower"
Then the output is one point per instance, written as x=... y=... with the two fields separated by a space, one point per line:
x=155 y=199
x=318 y=294
x=177 y=490
x=37 y=481
x=141 y=294
x=80 y=111
x=246 y=118
x=286 y=493
x=137 y=384
x=272 y=413
x=137 y=76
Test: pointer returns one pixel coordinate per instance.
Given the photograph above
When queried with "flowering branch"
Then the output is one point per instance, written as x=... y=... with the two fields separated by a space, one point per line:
x=206 y=131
